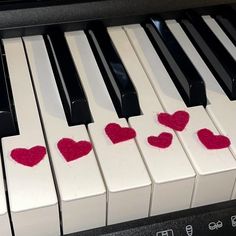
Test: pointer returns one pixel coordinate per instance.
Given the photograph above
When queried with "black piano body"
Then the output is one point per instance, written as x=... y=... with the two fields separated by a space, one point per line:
x=19 y=17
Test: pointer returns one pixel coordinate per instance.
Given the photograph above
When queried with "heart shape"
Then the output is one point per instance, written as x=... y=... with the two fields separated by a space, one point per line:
x=212 y=141
x=176 y=121
x=28 y=157
x=163 y=140
x=72 y=150
x=118 y=134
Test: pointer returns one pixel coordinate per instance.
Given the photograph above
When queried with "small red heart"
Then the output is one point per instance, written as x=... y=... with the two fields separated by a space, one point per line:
x=176 y=121
x=118 y=134
x=211 y=141
x=28 y=157
x=72 y=150
x=163 y=140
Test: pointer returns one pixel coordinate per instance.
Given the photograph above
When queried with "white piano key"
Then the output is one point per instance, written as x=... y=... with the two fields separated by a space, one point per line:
x=126 y=178
x=31 y=190
x=172 y=174
x=219 y=103
x=98 y=97
x=220 y=34
x=170 y=169
x=220 y=108
x=5 y=228
x=147 y=98
x=169 y=96
x=80 y=185
x=213 y=89
x=215 y=168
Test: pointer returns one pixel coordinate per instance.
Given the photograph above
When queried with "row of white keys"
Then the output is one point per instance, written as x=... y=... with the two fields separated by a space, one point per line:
x=80 y=185
x=215 y=169
x=170 y=169
x=31 y=190
x=128 y=183
x=5 y=228
x=220 y=108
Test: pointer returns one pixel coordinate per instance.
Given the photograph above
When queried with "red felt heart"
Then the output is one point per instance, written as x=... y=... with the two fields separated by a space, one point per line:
x=176 y=121
x=72 y=150
x=28 y=157
x=163 y=140
x=118 y=134
x=211 y=141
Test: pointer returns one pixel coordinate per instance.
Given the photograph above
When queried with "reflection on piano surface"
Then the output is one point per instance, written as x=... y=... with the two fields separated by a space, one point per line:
x=81 y=100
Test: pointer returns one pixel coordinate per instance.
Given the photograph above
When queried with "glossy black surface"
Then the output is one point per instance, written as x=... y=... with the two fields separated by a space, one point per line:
x=119 y=85
x=8 y=124
x=212 y=51
x=70 y=88
x=226 y=18
x=186 y=78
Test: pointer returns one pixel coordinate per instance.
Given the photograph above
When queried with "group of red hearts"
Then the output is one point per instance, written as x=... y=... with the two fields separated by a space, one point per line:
x=72 y=150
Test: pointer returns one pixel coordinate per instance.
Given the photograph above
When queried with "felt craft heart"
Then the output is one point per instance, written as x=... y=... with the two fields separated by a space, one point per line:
x=28 y=157
x=212 y=141
x=118 y=134
x=176 y=121
x=72 y=150
x=163 y=140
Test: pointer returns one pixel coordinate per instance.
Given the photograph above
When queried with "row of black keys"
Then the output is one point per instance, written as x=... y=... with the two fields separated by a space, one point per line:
x=125 y=99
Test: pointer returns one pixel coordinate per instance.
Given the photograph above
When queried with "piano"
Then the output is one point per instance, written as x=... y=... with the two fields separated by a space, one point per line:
x=117 y=118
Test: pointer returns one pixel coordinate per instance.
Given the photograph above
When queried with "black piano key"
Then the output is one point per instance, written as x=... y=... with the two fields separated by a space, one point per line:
x=73 y=97
x=8 y=124
x=226 y=18
x=119 y=85
x=186 y=78
x=212 y=51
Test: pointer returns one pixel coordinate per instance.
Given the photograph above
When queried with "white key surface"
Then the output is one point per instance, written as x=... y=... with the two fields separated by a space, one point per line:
x=147 y=98
x=170 y=169
x=126 y=178
x=215 y=93
x=220 y=108
x=220 y=34
x=172 y=174
x=211 y=166
x=31 y=189
x=5 y=228
x=100 y=103
x=80 y=185
x=166 y=94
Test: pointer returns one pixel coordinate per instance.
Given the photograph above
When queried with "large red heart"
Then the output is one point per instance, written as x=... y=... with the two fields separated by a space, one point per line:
x=118 y=134
x=28 y=157
x=72 y=150
x=163 y=140
x=211 y=141
x=176 y=121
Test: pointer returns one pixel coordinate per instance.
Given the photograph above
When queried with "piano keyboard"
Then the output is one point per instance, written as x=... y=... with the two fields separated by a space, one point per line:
x=61 y=94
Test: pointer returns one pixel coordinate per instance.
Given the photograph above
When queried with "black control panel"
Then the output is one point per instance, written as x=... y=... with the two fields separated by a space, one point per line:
x=217 y=219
